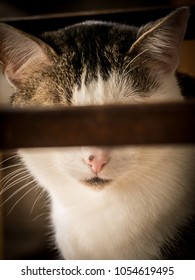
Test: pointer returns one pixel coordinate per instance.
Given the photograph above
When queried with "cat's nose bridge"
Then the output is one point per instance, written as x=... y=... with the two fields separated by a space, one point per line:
x=97 y=159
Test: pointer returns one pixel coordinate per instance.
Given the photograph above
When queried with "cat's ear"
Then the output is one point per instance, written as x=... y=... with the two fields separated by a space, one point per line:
x=158 y=44
x=22 y=54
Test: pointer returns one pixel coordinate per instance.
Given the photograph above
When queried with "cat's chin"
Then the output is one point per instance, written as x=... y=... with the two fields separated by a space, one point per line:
x=97 y=182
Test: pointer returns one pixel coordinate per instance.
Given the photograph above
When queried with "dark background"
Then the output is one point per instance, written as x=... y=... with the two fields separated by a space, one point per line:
x=12 y=8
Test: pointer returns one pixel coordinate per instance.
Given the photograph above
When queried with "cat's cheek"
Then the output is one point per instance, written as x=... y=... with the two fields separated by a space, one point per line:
x=80 y=173
x=75 y=169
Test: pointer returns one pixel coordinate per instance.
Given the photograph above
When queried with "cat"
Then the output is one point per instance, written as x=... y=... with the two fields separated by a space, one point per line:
x=135 y=202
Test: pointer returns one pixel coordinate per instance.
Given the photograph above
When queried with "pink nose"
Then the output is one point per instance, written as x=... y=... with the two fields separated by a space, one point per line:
x=97 y=159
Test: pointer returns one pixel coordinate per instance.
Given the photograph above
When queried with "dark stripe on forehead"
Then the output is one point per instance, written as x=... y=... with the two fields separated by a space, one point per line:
x=96 y=47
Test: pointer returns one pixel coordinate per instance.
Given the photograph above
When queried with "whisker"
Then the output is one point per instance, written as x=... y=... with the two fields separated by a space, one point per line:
x=20 y=199
x=9 y=158
x=37 y=199
x=17 y=191
x=11 y=166
x=40 y=215
x=17 y=181
x=12 y=175
x=152 y=182
x=5 y=178
x=155 y=183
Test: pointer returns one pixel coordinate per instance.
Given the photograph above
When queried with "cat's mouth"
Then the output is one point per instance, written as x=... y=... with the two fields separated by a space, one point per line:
x=97 y=182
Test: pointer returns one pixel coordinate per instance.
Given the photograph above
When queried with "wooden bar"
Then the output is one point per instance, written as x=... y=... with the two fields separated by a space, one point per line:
x=98 y=125
x=136 y=16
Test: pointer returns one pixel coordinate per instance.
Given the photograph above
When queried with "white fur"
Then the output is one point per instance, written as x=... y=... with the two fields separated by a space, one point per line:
x=114 y=90
x=151 y=193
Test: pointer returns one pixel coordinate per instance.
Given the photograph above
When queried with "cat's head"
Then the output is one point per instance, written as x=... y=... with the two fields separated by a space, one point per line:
x=94 y=62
